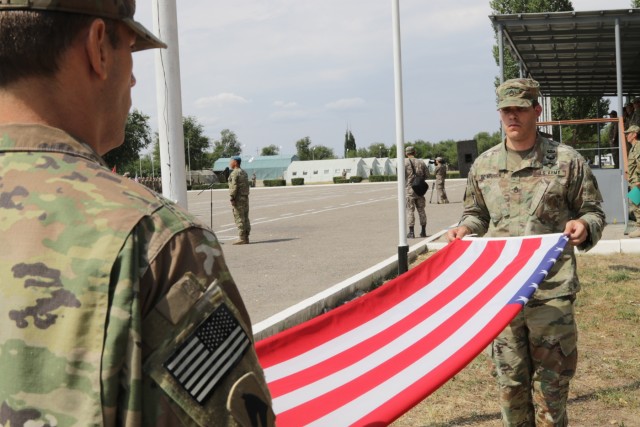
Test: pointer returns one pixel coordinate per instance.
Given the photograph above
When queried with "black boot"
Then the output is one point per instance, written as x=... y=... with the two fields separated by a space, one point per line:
x=423 y=233
x=411 y=235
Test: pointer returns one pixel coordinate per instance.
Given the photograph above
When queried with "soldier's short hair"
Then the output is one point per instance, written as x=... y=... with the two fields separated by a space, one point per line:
x=34 y=41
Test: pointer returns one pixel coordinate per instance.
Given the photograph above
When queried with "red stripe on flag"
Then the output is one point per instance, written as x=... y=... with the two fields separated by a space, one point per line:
x=322 y=405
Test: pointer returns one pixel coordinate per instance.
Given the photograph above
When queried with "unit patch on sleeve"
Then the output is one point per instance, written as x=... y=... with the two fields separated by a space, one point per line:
x=208 y=354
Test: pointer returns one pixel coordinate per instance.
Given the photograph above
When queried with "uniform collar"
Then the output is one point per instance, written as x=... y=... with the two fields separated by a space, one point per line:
x=41 y=138
x=533 y=160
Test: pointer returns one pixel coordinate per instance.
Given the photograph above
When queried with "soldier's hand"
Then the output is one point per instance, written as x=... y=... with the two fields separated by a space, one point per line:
x=457 y=233
x=577 y=231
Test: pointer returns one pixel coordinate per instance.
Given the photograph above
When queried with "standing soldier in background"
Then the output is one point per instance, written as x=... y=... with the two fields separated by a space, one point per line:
x=635 y=117
x=116 y=306
x=532 y=185
x=239 y=197
x=412 y=168
x=633 y=166
x=441 y=174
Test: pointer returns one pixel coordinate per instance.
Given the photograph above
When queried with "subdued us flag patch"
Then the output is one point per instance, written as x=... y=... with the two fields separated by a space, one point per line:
x=208 y=354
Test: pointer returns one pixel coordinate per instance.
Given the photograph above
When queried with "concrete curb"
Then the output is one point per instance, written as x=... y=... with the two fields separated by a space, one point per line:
x=315 y=305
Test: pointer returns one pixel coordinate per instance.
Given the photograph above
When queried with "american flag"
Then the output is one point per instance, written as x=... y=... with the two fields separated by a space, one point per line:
x=371 y=360
x=208 y=354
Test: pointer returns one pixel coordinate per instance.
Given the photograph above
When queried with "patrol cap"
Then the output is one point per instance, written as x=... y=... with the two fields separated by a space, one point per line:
x=119 y=10
x=518 y=93
x=633 y=129
x=410 y=150
x=439 y=159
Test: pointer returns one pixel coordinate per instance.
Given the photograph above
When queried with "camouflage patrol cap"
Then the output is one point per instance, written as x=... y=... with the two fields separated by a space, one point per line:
x=518 y=93
x=410 y=150
x=633 y=129
x=119 y=10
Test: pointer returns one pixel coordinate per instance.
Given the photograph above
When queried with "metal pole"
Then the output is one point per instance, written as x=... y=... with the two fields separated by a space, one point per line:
x=621 y=137
x=170 y=132
x=403 y=248
x=501 y=65
x=189 y=158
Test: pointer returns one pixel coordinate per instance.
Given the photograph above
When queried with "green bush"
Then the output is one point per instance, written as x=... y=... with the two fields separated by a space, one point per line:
x=453 y=174
x=216 y=186
x=392 y=178
x=274 y=183
x=377 y=178
x=340 y=180
x=355 y=179
x=297 y=181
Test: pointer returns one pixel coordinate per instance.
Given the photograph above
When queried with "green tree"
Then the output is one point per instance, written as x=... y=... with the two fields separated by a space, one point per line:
x=635 y=3
x=362 y=152
x=561 y=107
x=379 y=150
x=270 y=150
x=227 y=146
x=137 y=137
x=486 y=140
x=303 y=148
x=349 y=144
x=196 y=144
x=321 y=152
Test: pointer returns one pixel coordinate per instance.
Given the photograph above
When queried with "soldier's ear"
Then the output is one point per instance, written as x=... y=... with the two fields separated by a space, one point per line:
x=96 y=48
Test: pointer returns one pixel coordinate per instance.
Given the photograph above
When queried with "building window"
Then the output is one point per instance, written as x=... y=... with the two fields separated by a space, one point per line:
x=315 y=172
x=294 y=173
x=326 y=171
x=304 y=173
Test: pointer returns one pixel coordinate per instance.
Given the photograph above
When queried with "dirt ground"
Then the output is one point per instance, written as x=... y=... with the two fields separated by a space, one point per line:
x=606 y=388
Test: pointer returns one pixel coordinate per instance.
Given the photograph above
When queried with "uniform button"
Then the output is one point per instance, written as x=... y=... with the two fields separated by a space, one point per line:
x=516 y=190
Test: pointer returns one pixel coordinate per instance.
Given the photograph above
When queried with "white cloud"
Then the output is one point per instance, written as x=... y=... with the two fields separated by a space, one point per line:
x=346 y=104
x=220 y=100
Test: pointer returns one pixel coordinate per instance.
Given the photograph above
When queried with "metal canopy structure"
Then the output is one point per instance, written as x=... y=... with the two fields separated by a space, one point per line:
x=574 y=53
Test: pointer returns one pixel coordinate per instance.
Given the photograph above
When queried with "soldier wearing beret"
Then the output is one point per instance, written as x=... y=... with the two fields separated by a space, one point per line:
x=116 y=306
x=633 y=168
x=239 y=197
x=524 y=186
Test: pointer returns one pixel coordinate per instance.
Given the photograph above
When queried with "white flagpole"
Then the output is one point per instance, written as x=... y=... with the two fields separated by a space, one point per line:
x=170 y=133
x=403 y=248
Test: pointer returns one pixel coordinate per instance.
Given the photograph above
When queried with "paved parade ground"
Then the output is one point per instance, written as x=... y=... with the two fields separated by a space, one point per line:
x=305 y=239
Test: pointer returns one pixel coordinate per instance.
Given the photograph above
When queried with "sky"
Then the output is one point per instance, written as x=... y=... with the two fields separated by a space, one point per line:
x=276 y=71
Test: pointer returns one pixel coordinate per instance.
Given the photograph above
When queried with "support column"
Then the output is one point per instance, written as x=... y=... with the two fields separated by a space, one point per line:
x=622 y=143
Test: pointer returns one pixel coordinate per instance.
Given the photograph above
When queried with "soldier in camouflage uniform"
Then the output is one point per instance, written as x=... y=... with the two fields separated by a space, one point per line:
x=116 y=306
x=635 y=117
x=412 y=168
x=239 y=195
x=633 y=165
x=441 y=174
x=532 y=185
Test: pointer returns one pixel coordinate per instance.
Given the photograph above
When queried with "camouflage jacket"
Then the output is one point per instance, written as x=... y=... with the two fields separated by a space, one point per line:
x=421 y=170
x=633 y=164
x=103 y=285
x=441 y=173
x=552 y=185
x=238 y=183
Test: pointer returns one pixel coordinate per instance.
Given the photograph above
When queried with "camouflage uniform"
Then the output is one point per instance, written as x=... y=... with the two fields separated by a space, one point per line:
x=441 y=174
x=239 y=194
x=535 y=356
x=415 y=202
x=633 y=167
x=104 y=283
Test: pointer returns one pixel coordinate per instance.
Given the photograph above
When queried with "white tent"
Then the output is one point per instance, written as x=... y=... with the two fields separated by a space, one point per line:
x=372 y=165
x=387 y=167
x=326 y=170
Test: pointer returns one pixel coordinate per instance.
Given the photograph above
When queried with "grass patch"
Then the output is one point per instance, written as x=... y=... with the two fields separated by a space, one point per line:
x=606 y=388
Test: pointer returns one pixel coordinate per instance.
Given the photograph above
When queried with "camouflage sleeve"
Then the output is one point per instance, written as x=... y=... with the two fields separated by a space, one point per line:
x=184 y=292
x=634 y=159
x=233 y=184
x=585 y=201
x=475 y=214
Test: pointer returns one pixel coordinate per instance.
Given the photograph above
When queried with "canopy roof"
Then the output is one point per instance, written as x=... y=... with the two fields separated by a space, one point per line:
x=574 y=53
